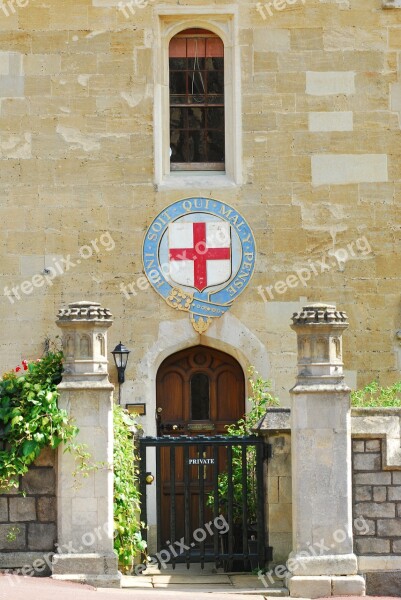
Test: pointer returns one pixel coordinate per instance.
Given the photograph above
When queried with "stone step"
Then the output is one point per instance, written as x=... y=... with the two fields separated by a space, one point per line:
x=101 y=581
x=92 y=564
x=248 y=585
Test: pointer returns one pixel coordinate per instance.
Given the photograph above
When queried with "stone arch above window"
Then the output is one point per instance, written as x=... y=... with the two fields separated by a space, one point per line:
x=222 y=29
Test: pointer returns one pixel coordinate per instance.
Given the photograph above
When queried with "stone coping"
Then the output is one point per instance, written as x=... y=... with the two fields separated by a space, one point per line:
x=357 y=411
x=384 y=423
x=275 y=419
x=391 y=4
x=371 y=423
x=84 y=311
x=386 y=562
x=318 y=314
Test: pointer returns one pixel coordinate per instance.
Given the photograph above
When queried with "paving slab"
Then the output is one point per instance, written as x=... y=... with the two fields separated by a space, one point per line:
x=193 y=579
x=247 y=581
x=136 y=582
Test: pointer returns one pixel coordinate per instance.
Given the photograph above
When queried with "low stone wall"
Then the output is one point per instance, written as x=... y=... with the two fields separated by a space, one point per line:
x=377 y=497
x=28 y=516
x=275 y=427
x=376 y=451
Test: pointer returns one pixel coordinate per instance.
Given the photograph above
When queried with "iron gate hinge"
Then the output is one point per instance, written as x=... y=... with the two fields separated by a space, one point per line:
x=267 y=451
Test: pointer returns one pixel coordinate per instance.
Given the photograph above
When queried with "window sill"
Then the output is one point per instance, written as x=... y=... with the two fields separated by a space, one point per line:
x=391 y=4
x=196 y=179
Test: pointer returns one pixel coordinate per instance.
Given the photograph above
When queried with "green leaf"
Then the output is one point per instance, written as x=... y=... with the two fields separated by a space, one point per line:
x=29 y=446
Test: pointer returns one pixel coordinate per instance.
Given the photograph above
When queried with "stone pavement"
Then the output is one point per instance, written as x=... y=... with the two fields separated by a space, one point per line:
x=28 y=588
x=204 y=581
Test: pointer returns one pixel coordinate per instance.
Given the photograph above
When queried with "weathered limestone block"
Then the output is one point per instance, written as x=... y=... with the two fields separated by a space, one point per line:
x=348 y=586
x=370 y=545
x=383 y=583
x=41 y=536
x=11 y=74
x=39 y=481
x=363 y=493
x=22 y=509
x=38 y=561
x=394 y=493
x=326 y=83
x=3 y=509
x=372 y=446
x=46 y=458
x=367 y=462
x=331 y=121
x=373 y=510
x=389 y=528
x=19 y=533
x=380 y=493
x=340 y=169
x=309 y=587
x=47 y=509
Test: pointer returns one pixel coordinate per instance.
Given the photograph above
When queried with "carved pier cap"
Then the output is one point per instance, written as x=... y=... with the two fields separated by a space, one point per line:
x=319 y=328
x=84 y=326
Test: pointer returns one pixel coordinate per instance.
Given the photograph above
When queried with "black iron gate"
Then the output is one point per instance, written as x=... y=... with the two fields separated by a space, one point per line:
x=209 y=500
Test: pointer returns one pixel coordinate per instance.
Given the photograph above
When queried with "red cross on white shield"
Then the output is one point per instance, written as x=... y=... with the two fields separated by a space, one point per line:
x=200 y=253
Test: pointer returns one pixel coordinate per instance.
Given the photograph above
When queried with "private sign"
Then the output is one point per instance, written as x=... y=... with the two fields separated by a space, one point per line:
x=199 y=255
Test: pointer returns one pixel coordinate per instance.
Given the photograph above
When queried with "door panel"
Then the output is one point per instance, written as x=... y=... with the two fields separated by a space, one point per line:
x=186 y=383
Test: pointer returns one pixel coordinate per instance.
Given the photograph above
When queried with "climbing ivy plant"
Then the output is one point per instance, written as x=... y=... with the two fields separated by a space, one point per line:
x=128 y=540
x=375 y=395
x=30 y=419
x=260 y=399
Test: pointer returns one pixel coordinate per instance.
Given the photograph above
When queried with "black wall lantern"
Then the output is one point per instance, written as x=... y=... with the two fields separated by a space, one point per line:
x=120 y=355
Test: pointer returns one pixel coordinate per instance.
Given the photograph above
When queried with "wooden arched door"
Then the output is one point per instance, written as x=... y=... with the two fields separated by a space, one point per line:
x=199 y=391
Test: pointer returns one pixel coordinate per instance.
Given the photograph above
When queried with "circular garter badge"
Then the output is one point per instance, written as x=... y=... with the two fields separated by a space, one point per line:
x=199 y=255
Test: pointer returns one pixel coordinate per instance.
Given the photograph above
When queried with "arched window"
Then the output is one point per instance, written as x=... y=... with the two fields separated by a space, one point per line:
x=200 y=397
x=197 y=120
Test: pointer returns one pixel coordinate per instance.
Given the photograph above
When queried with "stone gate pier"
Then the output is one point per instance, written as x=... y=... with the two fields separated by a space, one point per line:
x=85 y=505
x=322 y=562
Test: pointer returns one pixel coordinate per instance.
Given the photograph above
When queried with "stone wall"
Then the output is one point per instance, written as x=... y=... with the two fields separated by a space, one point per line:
x=28 y=515
x=320 y=86
x=275 y=428
x=377 y=498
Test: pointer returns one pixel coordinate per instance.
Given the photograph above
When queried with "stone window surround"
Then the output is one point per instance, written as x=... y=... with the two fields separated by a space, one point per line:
x=223 y=22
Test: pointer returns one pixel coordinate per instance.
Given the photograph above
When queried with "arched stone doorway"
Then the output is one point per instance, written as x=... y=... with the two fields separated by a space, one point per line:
x=199 y=391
